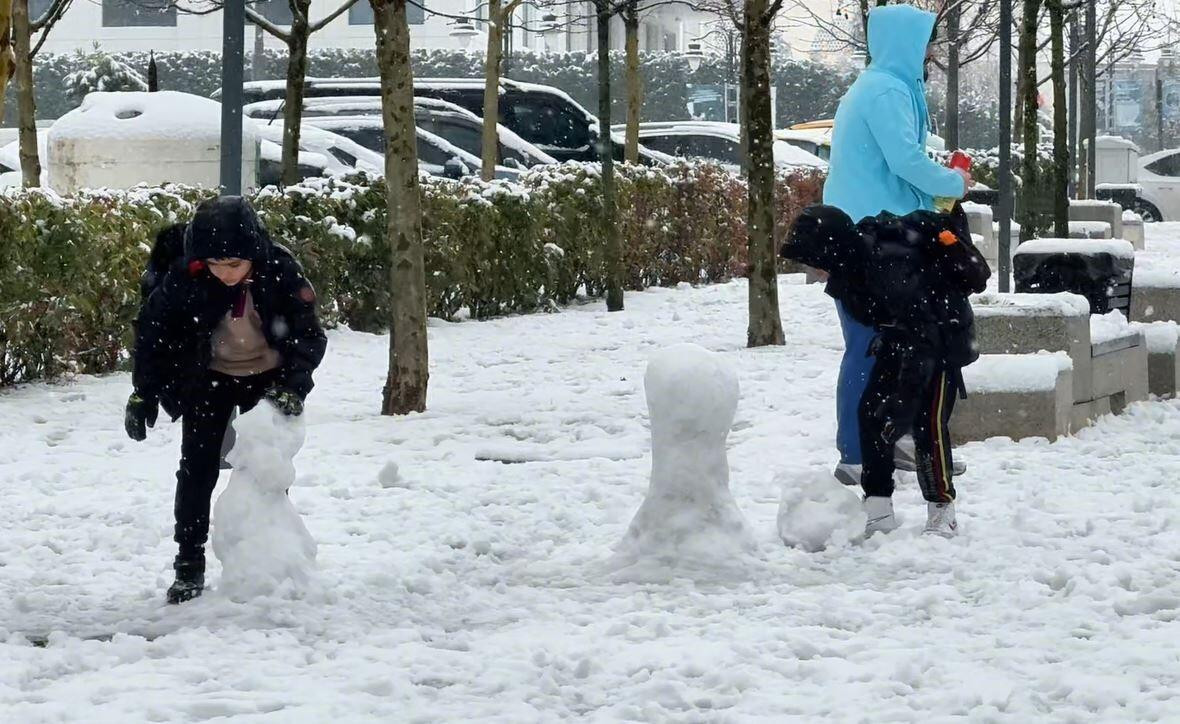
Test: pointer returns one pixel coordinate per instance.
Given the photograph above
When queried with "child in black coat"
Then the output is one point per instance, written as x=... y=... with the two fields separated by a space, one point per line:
x=232 y=321
x=909 y=278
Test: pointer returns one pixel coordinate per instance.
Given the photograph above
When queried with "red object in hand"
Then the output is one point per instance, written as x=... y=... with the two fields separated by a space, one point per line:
x=960 y=161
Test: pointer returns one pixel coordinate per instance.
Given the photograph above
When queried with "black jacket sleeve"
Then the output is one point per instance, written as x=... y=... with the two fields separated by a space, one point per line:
x=297 y=329
x=156 y=333
x=962 y=265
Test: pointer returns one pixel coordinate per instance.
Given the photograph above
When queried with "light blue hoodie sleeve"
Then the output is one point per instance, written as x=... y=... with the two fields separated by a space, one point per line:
x=894 y=127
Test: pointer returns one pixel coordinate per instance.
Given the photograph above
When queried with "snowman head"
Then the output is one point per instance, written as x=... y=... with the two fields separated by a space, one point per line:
x=266 y=442
x=692 y=394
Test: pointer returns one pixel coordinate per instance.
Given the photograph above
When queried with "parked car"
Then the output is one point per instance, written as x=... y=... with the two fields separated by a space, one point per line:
x=1158 y=197
x=542 y=115
x=815 y=137
x=320 y=153
x=436 y=155
x=447 y=120
x=714 y=141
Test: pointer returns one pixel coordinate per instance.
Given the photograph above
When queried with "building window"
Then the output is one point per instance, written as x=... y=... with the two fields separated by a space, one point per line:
x=137 y=13
x=362 y=13
x=276 y=11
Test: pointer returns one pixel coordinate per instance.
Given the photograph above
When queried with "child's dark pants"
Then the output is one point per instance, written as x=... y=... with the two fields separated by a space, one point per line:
x=203 y=427
x=927 y=416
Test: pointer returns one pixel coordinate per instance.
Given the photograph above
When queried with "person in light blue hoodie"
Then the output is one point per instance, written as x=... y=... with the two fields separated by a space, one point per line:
x=879 y=163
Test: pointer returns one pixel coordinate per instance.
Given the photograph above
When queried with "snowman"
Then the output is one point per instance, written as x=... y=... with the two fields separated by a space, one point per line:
x=689 y=517
x=258 y=535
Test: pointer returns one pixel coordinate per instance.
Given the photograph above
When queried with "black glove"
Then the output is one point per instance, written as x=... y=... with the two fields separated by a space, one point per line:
x=139 y=415
x=285 y=400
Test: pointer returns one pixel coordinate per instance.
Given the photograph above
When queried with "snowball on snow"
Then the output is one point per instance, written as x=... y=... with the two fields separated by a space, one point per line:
x=816 y=511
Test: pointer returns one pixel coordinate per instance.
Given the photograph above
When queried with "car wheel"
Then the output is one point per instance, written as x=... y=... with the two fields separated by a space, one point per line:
x=1147 y=210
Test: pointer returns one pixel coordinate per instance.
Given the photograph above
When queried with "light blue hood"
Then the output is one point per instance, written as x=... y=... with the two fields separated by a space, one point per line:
x=898 y=36
x=879 y=160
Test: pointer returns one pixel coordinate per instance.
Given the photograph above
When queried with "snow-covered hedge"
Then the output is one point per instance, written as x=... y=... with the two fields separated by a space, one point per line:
x=68 y=287
x=806 y=90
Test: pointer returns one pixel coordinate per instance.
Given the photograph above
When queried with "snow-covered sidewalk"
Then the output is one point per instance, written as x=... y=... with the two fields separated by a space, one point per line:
x=457 y=587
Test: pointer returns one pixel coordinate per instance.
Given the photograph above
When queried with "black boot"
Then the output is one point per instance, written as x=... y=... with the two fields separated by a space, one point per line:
x=190 y=577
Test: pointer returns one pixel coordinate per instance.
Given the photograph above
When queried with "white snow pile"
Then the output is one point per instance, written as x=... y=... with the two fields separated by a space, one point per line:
x=1064 y=304
x=1109 y=326
x=1115 y=247
x=1015 y=372
x=1162 y=337
x=258 y=535
x=816 y=512
x=166 y=115
x=689 y=519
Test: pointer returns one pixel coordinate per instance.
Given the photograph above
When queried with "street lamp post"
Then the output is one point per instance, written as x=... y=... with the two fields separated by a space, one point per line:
x=463 y=31
x=1090 y=111
x=234 y=30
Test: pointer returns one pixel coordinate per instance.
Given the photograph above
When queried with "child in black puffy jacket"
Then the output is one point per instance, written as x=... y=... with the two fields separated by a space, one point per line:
x=909 y=278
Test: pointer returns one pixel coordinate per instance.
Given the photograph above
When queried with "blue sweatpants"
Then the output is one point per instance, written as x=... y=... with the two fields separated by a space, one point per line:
x=855 y=370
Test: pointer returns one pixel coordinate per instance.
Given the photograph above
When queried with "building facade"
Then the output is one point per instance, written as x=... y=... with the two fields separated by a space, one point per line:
x=160 y=25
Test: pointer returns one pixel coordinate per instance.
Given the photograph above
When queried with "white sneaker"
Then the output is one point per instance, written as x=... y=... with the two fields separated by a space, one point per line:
x=879 y=514
x=940 y=520
x=848 y=474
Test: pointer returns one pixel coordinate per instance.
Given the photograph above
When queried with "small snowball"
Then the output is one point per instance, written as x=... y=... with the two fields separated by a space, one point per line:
x=816 y=511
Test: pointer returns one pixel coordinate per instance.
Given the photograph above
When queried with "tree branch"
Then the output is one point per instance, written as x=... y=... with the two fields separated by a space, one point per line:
x=56 y=10
x=267 y=25
x=344 y=7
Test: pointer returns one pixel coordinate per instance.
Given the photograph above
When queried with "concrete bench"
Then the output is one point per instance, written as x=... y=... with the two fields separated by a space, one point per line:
x=1155 y=295
x=1163 y=362
x=979 y=219
x=1108 y=359
x=1015 y=396
x=1094 y=210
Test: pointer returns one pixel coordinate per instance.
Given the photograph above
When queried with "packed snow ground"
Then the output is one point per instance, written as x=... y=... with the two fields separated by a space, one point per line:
x=454 y=587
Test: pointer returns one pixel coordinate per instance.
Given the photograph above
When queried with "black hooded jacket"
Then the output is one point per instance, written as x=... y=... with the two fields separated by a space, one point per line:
x=892 y=273
x=173 y=347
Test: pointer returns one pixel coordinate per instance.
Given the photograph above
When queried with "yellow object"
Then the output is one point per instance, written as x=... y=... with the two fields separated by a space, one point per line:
x=944 y=204
x=814 y=125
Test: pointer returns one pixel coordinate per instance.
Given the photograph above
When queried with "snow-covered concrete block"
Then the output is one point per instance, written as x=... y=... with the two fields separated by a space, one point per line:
x=1095 y=210
x=1015 y=396
x=1031 y=323
x=689 y=518
x=1089 y=230
x=1155 y=295
x=1119 y=370
x=979 y=219
x=1133 y=230
x=120 y=140
x=1163 y=362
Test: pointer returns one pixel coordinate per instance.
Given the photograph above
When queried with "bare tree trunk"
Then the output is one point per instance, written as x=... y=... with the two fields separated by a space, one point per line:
x=30 y=160
x=765 y=326
x=952 y=78
x=1028 y=76
x=606 y=153
x=293 y=106
x=634 y=82
x=259 y=55
x=409 y=361
x=7 y=58
x=1060 y=121
x=491 y=91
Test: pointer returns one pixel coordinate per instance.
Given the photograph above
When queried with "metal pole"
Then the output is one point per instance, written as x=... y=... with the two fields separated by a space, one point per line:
x=1090 y=112
x=1005 y=171
x=1074 y=43
x=234 y=30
